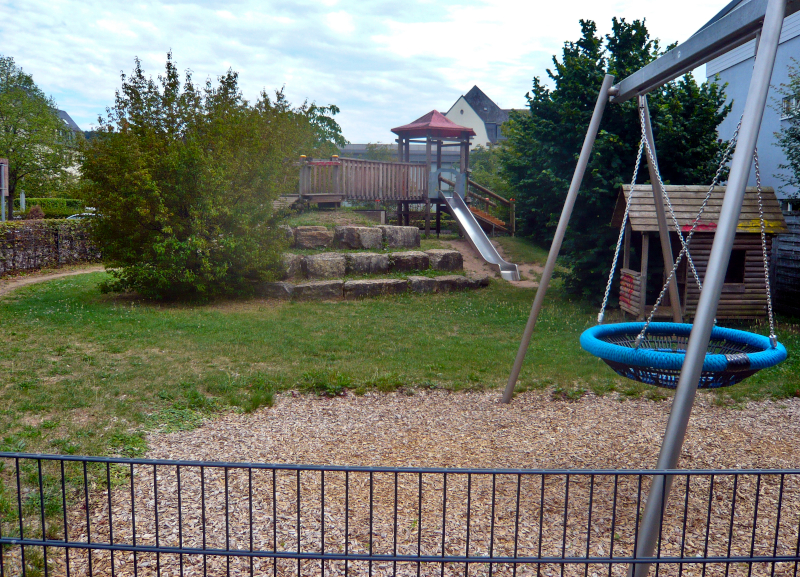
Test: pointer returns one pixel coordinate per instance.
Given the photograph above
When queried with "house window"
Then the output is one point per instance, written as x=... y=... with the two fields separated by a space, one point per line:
x=735 y=272
x=790 y=106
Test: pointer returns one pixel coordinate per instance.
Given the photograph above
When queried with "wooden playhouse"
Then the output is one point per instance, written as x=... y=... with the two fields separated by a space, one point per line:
x=744 y=292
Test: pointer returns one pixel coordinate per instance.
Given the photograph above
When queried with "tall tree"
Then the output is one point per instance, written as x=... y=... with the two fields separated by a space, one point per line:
x=789 y=135
x=542 y=148
x=36 y=142
x=184 y=178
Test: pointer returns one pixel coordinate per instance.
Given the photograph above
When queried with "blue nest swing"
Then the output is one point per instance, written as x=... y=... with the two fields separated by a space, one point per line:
x=732 y=355
x=653 y=353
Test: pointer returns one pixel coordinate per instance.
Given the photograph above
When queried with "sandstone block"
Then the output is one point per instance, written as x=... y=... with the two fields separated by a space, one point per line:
x=356 y=289
x=400 y=236
x=275 y=290
x=325 y=265
x=318 y=290
x=367 y=263
x=288 y=233
x=357 y=237
x=452 y=283
x=411 y=260
x=443 y=259
x=292 y=265
x=421 y=284
x=312 y=237
x=478 y=280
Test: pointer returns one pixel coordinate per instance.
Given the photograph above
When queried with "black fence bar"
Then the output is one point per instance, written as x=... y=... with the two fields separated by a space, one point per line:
x=68 y=515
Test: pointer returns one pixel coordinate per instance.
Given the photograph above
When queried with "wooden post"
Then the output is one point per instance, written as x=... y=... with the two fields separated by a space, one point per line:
x=463 y=149
x=438 y=154
x=438 y=218
x=513 y=217
x=301 y=181
x=337 y=189
x=399 y=213
x=427 y=194
x=643 y=284
x=626 y=254
x=658 y=202
x=400 y=149
x=408 y=150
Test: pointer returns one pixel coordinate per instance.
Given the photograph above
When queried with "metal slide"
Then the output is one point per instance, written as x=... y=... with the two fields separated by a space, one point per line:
x=475 y=235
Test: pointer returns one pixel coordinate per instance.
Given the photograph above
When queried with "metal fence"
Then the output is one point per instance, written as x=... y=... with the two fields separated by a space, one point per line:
x=63 y=515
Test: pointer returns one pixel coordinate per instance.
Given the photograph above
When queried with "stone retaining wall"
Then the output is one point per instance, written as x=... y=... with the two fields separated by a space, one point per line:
x=336 y=265
x=357 y=289
x=34 y=244
x=353 y=237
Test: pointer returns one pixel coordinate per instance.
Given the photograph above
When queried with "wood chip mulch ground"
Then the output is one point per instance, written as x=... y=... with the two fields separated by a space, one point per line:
x=547 y=515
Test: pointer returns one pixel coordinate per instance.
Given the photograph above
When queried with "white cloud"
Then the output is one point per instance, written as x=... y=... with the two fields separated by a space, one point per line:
x=341 y=22
x=384 y=65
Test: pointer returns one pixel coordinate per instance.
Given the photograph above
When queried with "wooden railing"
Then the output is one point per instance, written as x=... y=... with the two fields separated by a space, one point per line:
x=488 y=204
x=356 y=179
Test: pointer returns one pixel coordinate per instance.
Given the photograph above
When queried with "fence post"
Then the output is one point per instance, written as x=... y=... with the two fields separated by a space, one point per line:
x=302 y=176
x=3 y=186
x=336 y=184
x=513 y=217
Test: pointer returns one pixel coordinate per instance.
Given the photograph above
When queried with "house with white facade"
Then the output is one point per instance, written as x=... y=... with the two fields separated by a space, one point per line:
x=734 y=69
x=477 y=111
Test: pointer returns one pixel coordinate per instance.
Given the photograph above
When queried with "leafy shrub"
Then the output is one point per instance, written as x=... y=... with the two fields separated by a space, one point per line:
x=35 y=213
x=184 y=178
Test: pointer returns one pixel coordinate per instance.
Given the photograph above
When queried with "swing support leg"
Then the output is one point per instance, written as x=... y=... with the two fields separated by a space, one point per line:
x=555 y=248
x=712 y=285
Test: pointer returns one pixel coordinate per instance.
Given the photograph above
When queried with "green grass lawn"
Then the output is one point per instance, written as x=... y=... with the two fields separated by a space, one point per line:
x=520 y=250
x=87 y=373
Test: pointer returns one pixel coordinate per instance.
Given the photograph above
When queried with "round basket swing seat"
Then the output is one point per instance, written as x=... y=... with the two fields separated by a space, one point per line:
x=732 y=355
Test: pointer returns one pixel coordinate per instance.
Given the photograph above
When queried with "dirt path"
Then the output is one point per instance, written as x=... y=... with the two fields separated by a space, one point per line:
x=10 y=284
x=473 y=263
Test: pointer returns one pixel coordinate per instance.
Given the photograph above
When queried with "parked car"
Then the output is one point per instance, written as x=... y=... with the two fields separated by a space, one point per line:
x=82 y=215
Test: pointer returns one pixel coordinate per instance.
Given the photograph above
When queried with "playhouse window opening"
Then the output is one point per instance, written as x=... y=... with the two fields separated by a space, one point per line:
x=736 y=267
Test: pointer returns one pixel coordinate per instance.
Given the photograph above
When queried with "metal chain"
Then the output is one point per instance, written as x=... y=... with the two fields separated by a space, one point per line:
x=772 y=338
x=602 y=312
x=665 y=196
x=685 y=242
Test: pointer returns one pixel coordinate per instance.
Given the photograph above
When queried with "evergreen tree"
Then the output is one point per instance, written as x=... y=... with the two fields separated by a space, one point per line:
x=540 y=155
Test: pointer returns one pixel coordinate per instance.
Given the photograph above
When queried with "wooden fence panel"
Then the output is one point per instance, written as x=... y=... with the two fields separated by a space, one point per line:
x=357 y=179
x=786 y=267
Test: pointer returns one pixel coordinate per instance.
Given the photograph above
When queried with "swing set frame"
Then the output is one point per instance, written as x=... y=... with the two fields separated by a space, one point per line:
x=735 y=25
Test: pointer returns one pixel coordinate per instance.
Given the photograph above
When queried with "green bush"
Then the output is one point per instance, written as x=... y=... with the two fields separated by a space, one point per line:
x=53 y=207
x=185 y=178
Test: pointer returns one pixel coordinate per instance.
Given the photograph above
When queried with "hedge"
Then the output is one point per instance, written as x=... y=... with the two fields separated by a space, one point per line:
x=53 y=207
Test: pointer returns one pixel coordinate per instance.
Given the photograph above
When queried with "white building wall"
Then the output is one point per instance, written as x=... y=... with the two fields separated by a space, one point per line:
x=462 y=114
x=735 y=69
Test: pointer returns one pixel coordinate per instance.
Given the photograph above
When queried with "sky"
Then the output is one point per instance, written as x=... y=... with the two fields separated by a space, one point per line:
x=383 y=63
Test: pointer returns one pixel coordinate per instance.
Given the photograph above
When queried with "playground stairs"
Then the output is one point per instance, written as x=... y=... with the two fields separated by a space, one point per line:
x=486 y=220
x=285 y=202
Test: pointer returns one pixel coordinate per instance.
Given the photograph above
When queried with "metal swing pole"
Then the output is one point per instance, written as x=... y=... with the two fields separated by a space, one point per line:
x=712 y=284
x=555 y=248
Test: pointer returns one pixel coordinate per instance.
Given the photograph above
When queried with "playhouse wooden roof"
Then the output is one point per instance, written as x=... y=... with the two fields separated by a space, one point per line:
x=687 y=200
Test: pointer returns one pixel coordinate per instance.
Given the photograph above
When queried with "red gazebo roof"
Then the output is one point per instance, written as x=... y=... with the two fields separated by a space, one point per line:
x=434 y=122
